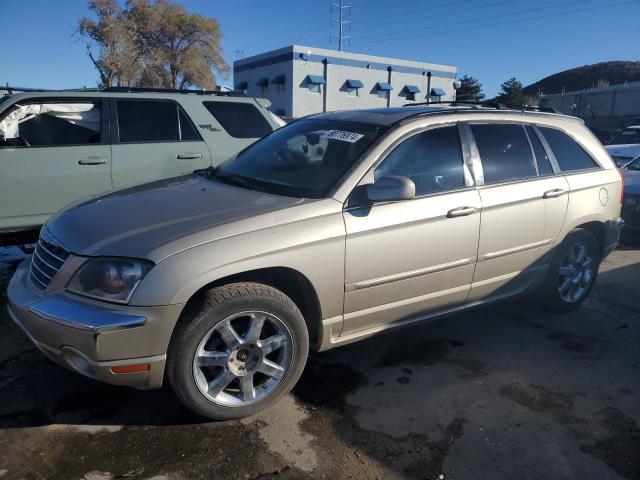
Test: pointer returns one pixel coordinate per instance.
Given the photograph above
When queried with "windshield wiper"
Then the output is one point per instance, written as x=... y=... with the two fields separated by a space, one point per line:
x=236 y=180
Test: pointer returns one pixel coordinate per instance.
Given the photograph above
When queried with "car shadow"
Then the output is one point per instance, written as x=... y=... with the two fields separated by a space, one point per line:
x=455 y=352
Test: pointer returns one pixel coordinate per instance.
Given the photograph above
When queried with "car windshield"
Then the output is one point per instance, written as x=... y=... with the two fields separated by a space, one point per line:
x=304 y=159
x=635 y=165
x=627 y=136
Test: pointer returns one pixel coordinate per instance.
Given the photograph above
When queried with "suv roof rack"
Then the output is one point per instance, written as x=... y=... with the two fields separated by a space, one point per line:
x=230 y=93
x=496 y=105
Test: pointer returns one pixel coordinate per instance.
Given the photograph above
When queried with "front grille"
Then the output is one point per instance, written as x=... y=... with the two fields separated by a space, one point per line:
x=48 y=257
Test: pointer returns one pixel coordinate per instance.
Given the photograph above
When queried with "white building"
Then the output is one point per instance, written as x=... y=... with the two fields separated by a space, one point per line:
x=301 y=80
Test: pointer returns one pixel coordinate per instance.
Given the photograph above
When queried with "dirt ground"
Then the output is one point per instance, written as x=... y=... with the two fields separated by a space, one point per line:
x=507 y=391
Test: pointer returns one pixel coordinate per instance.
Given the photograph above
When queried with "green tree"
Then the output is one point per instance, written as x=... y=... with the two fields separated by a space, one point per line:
x=511 y=94
x=470 y=90
x=157 y=44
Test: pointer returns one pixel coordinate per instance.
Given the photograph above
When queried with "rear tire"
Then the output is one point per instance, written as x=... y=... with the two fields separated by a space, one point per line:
x=572 y=272
x=237 y=351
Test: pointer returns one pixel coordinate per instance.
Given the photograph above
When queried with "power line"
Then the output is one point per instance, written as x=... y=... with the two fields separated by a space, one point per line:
x=460 y=10
x=377 y=15
x=477 y=27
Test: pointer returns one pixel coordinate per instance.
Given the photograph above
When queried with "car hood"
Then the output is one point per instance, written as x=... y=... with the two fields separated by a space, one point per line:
x=630 y=150
x=157 y=219
x=631 y=182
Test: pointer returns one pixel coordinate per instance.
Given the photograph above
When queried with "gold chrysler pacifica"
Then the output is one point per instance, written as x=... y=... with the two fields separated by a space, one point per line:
x=331 y=229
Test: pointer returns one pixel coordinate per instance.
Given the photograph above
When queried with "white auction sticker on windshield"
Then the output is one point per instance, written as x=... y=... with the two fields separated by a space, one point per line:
x=343 y=136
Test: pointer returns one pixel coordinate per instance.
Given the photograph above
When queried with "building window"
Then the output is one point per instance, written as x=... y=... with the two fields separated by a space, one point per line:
x=279 y=82
x=437 y=94
x=352 y=87
x=383 y=89
x=263 y=83
x=315 y=82
x=410 y=92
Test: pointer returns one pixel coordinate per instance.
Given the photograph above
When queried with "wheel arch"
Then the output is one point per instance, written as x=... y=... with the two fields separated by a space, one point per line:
x=289 y=281
x=599 y=231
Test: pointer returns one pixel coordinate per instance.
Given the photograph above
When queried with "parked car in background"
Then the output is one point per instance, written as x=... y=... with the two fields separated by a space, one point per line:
x=631 y=205
x=625 y=146
x=57 y=147
x=329 y=230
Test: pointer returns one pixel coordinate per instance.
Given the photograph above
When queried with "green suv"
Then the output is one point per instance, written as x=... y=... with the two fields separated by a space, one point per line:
x=57 y=147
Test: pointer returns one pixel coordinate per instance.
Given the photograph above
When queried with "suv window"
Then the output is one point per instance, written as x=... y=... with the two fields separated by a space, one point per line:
x=51 y=124
x=432 y=159
x=153 y=121
x=240 y=120
x=504 y=151
x=568 y=153
x=544 y=164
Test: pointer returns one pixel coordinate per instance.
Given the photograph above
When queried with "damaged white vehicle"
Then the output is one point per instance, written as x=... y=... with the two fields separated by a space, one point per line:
x=58 y=147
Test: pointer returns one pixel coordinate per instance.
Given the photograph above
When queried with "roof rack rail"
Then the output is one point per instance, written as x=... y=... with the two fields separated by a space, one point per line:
x=229 y=93
x=496 y=105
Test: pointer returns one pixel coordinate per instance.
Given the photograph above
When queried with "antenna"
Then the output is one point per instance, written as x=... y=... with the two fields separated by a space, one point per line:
x=341 y=7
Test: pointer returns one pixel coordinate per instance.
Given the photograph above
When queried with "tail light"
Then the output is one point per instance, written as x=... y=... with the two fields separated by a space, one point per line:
x=621 y=172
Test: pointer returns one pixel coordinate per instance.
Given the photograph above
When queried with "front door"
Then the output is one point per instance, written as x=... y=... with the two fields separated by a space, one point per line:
x=407 y=258
x=154 y=139
x=52 y=152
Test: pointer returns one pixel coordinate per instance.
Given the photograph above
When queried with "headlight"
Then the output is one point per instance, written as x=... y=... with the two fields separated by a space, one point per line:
x=109 y=278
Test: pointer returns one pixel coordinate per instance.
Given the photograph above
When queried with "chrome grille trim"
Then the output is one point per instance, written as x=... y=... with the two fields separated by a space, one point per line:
x=47 y=259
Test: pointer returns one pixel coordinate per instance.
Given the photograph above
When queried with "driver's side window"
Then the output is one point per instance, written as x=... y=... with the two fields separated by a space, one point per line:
x=51 y=124
x=432 y=159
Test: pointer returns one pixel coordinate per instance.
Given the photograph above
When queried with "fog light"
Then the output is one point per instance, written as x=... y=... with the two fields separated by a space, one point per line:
x=135 y=368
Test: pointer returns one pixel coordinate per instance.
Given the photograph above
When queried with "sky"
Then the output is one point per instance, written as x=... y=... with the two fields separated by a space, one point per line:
x=492 y=40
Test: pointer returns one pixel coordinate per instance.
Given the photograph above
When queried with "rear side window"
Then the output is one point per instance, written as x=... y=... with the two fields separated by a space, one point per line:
x=240 y=120
x=570 y=156
x=148 y=121
x=51 y=124
x=544 y=164
x=432 y=159
x=504 y=151
x=187 y=130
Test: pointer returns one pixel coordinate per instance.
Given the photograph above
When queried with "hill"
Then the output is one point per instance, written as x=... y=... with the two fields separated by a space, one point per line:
x=587 y=76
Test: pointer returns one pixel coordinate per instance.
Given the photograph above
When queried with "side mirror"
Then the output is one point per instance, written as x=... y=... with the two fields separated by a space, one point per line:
x=391 y=188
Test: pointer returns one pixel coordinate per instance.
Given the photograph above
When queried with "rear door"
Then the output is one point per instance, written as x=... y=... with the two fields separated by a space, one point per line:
x=524 y=203
x=153 y=139
x=54 y=151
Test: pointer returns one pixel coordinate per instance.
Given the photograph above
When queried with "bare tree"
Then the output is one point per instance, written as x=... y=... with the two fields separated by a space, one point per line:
x=112 y=44
x=156 y=44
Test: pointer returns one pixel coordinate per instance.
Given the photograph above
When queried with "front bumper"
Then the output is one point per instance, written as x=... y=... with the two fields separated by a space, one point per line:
x=91 y=337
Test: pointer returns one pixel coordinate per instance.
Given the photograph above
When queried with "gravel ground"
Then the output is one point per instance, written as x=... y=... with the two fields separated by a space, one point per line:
x=507 y=391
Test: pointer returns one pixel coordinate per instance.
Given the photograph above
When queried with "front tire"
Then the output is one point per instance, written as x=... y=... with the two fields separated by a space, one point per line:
x=572 y=271
x=237 y=351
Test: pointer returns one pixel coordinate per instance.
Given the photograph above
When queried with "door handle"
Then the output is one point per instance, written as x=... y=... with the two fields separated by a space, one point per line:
x=461 y=212
x=556 y=192
x=93 y=161
x=188 y=156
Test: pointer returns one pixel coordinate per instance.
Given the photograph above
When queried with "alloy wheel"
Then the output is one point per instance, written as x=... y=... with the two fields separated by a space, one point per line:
x=576 y=273
x=243 y=358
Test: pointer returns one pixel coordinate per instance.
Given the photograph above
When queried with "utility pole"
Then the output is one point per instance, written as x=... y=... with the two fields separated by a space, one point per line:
x=341 y=7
